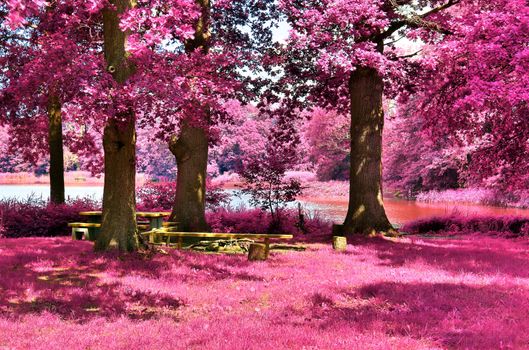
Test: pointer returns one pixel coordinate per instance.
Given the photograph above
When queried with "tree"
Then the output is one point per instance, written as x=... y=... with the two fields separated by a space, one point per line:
x=474 y=92
x=44 y=57
x=326 y=135
x=414 y=161
x=242 y=137
x=118 y=225
x=263 y=173
x=211 y=59
x=342 y=54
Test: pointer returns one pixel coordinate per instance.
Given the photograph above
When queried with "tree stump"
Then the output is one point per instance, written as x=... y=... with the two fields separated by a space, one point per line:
x=339 y=243
x=257 y=251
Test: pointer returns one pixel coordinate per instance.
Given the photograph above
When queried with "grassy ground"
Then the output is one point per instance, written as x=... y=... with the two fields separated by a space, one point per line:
x=411 y=293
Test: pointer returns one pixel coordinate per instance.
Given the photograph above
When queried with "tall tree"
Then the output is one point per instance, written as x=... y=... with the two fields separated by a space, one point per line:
x=190 y=146
x=210 y=60
x=56 y=150
x=118 y=227
x=46 y=58
x=342 y=54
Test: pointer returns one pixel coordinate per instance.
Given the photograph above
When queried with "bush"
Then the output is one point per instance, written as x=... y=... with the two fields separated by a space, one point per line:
x=505 y=226
x=245 y=220
x=160 y=195
x=35 y=217
x=156 y=196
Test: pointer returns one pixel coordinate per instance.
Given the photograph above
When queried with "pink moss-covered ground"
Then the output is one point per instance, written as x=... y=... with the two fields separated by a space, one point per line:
x=414 y=293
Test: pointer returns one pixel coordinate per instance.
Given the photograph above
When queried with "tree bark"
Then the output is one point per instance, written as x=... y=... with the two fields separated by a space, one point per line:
x=190 y=149
x=118 y=228
x=55 y=145
x=366 y=212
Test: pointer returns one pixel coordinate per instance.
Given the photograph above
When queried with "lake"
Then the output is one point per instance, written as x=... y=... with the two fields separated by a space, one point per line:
x=399 y=211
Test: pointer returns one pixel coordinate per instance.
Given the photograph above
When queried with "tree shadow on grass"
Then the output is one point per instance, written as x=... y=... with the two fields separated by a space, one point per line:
x=455 y=255
x=68 y=279
x=452 y=315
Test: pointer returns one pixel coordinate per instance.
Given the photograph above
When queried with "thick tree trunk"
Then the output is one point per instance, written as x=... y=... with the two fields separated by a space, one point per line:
x=55 y=145
x=366 y=212
x=190 y=149
x=118 y=227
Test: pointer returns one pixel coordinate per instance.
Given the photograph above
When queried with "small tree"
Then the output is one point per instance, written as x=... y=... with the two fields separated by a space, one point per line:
x=264 y=174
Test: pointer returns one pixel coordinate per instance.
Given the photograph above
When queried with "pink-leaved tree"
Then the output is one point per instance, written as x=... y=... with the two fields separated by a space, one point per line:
x=344 y=55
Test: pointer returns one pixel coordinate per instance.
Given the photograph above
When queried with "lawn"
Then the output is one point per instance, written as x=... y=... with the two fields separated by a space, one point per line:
x=410 y=293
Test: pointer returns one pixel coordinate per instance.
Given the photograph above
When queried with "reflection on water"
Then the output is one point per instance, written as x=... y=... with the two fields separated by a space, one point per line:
x=399 y=211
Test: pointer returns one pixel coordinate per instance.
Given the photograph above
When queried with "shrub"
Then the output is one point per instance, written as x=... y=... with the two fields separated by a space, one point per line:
x=507 y=226
x=35 y=217
x=160 y=195
x=156 y=196
x=259 y=221
x=482 y=196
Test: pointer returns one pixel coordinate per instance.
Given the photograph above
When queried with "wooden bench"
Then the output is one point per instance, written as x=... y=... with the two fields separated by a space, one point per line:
x=86 y=229
x=156 y=234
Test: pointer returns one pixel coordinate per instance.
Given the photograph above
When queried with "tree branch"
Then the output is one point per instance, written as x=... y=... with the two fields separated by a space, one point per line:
x=415 y=21
x=410 y=55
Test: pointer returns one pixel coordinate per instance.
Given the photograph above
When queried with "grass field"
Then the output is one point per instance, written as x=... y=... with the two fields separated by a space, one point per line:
x=412 y=293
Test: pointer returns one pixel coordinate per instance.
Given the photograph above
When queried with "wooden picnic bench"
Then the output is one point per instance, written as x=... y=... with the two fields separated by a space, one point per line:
x=91 y=228
x=157 y=235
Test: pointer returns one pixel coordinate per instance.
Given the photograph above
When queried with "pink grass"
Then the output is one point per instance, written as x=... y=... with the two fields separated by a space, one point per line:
x=409 y=294
x=519 y=199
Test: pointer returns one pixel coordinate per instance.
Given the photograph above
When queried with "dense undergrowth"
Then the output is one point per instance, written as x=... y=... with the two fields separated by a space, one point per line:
x=34 y=217
x=505 y=226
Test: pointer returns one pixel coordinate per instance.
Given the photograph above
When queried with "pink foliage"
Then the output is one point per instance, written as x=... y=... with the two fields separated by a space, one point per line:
x=156 y=196
x=405 y=294
x=314 y=228
x=325 y=189
x=34 y=217
x=326 y=136
x=474 y=92
x=503 y=226
x=413 y=162
x=160 y=195
x=478 y=196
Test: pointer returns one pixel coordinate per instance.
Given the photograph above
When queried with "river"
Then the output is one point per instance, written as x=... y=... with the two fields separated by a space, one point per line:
x=399 y=211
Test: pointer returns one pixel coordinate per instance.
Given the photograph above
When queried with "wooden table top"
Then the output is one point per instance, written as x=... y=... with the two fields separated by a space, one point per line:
x=147 y=214
x=90 y=213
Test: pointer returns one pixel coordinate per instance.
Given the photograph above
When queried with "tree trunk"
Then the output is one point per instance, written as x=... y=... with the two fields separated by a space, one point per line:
x=55 y=150
x=190 y=149
x=366 y=212
x=118 y=228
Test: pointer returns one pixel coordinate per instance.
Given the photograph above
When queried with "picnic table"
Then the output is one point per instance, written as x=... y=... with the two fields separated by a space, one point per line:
x=92 y=226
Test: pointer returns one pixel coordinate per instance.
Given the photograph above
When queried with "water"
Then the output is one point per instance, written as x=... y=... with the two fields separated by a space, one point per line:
x=43 y=191
x=399 y=211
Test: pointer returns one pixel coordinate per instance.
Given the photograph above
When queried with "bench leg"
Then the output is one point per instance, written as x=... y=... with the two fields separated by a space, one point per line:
x=155 y=223
x=79 y=232
x=180 y=241
x=151 y=237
